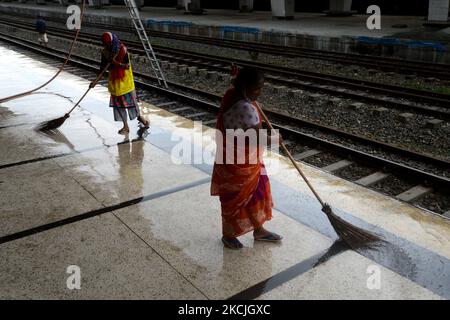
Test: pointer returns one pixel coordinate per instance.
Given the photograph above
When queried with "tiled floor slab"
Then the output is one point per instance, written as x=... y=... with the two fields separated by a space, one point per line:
x=40 y=193
x=114 y=264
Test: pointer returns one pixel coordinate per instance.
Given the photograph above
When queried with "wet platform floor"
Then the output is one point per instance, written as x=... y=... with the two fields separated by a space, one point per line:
x=141 y=225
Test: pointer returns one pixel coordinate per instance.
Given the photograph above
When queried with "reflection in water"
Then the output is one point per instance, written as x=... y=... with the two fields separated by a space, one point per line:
x=406 y=259
x=130 y=157
x=337 y=247
x=245 y=264
x=59 y=137
x=424 y=267
x=296 y=270
x=413 y=262
x=142 y=132
x=392 y=257
x=6 y=114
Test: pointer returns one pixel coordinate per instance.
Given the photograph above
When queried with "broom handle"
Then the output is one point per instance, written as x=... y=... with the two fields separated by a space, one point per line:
x=290 y=156
x=93 y=85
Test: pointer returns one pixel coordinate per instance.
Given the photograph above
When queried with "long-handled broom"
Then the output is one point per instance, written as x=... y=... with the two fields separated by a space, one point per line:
x=54 y=124
x=355 y=237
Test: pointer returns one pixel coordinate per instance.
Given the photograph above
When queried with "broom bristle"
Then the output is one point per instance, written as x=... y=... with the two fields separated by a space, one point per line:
x=52 y=125
x=355 y=237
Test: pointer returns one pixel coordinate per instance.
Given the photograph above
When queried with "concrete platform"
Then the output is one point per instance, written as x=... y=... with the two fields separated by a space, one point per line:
x=309 y=30
x=141 y=225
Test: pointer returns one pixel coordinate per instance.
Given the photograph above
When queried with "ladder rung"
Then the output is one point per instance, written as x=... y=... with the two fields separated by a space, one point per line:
x=140 y=29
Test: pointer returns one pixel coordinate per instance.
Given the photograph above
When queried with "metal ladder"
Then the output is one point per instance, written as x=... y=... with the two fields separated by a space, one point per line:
x=134 y=14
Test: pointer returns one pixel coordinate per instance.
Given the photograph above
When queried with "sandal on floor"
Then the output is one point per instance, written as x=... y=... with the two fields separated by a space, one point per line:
x=232 y=243
x=271 y=237
x=123 y=130
x=142 y=132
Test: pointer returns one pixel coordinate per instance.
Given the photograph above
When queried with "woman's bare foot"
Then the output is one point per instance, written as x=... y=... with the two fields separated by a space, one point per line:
x=145 y=122
x=124 y=130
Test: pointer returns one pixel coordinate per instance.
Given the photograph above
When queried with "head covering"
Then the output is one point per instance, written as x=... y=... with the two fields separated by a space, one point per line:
x=118 y=50
x=111 y=41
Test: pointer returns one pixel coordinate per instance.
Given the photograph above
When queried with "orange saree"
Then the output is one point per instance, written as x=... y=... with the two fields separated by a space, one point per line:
x=243 y=189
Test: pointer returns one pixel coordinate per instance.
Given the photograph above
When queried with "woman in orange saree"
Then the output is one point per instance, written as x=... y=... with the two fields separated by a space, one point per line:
x=242 y=186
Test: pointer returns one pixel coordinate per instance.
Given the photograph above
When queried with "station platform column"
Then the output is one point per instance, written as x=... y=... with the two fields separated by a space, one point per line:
x=438 y=10
x=95 y=3
x=245 y=5
x=283 y=9
x=193 y=6
x=98 y=3
x=180 y=4
x=340 y=8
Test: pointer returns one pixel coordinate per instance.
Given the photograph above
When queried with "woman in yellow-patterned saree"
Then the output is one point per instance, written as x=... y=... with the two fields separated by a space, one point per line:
x=120 y=81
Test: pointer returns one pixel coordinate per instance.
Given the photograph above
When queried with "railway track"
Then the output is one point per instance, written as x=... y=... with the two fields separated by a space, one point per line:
x=436 y=105
x=426 y=69
x=399 y=179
